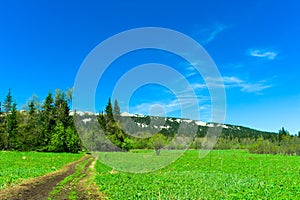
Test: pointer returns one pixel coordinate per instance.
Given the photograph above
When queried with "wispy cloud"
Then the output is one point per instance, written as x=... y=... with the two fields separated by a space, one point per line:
x=198 y=86
x=207 y=35
x=217 y=29
x=235 y=82
x=271 y=55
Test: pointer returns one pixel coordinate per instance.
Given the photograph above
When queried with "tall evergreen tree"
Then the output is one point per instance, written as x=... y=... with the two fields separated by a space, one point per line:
x=69 y=94
x=73 y=142
x=102 y=121
x=47 y=121
x=31 y=130
x=12 y=128
x=2 y=131
x=117 y=111
x=62 y=110
x=282 y=134
x=57 y=141
x=108 y=124
x=64 y=137
x=109 y=111
x=7 y=105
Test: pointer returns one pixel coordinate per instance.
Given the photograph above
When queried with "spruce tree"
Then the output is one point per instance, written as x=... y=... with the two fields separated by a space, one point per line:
x=7 y=105
x=108 y=124
x=31 y=130
x=102 y=121
x=117 y=112
x=62 y=110
x=47 y=121
x=64 y=137
x=109 y=111
x=282 y=134
x=57 y=141
x=12 y=128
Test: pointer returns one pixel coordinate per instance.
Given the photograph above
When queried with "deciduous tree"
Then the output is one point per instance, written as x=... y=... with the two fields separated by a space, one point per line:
x=158 y=142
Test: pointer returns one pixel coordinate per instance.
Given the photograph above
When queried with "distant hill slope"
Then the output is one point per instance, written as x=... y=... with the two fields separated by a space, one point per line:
x=169 y=126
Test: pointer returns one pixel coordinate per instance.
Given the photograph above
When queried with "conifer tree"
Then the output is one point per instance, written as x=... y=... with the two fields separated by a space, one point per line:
x=7 y=105
x=109 y=111
x=12 y=128
x=102 y=121
x=31 y=130
x=47 y=121
x=117 y=111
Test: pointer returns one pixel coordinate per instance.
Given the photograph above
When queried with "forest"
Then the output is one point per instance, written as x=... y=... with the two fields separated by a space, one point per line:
x=47 y=127
x=50 y=127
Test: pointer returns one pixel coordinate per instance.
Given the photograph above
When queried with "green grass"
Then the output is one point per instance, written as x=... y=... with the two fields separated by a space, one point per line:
x=138 y=161
x=220 y=175
x=17 y=166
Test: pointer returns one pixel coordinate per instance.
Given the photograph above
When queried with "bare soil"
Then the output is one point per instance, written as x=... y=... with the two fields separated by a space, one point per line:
x=39 y=188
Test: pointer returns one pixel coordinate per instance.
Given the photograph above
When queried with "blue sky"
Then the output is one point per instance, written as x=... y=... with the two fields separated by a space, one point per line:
x=255 y=45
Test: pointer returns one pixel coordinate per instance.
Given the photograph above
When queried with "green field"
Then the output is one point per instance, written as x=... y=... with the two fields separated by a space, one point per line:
x=231 y=174
x=17 y=166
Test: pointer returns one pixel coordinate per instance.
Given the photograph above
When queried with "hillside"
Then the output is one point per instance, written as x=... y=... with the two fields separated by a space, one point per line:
x=135 y=124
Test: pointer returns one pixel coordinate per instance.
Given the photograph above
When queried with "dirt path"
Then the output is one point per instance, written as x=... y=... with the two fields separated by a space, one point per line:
x=78 y=182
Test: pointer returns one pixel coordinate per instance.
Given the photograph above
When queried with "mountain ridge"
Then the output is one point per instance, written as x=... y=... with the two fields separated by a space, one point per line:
x=169 y=125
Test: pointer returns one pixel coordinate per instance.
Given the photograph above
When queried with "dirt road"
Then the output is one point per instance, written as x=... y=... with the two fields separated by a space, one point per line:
x=74 y=181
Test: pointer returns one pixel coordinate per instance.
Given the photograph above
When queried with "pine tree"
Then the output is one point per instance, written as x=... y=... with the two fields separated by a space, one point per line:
x=69 y=94
x=282 y=134
x=108 y=124
x=57 y=139
x=7 y=105
x=109 y=111
x=12 y=128
x=47 y=121
x=102 y=121
x=64 y=136
x=62 y=110
x=73 y=142
x=30 y=133
x=2 y=131
x=117 y=112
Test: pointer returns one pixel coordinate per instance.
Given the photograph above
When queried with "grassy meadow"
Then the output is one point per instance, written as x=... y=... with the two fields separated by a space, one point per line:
x=222 y=174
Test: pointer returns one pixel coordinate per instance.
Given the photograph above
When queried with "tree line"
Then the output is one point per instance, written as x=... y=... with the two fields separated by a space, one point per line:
x=274 y=143
x=40 y=127
x=49 y=127
x=232 y=137
x=111 y=124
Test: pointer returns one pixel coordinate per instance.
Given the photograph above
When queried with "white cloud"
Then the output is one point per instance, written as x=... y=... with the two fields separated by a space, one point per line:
x=217 y=29
x=235 y=82
x=258 y=87
x=271 y=55
x=231 y=80
x=207 y=35
x=198 y=86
